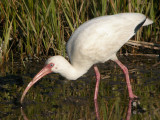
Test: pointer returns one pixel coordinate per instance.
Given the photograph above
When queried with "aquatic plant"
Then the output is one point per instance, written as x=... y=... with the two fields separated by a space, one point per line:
x=34 y=28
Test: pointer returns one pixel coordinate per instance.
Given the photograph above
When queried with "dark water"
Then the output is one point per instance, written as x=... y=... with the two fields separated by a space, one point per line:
x=55 y=98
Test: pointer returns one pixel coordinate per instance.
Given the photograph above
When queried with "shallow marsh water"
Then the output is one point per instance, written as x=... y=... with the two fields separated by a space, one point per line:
x=55 y=98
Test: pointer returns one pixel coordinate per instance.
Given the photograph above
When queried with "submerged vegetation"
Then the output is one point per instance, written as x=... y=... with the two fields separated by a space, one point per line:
x=34 y=28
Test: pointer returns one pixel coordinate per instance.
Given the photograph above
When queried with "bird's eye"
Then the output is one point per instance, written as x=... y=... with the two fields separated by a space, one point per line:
x=51 y=64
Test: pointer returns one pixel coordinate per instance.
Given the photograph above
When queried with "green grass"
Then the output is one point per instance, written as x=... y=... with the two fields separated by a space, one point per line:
x=34 y=28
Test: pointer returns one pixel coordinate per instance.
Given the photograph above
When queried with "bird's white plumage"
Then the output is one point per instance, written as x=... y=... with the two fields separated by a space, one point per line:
x=95 y=41
x=99 y=39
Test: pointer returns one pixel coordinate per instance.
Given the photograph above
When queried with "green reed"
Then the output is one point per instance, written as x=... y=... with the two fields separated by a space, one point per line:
x=34 y=28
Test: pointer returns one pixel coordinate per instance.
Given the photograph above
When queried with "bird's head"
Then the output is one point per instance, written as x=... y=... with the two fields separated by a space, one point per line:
x=53 y=64
x=56 y=64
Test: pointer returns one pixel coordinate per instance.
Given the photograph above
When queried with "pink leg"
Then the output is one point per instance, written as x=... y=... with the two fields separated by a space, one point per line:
x=128 y=116
x=96 y=109
x=125 y=70
x=97 y=82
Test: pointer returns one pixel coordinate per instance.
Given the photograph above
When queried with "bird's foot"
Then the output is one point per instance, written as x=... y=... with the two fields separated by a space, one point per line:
x=132 y=97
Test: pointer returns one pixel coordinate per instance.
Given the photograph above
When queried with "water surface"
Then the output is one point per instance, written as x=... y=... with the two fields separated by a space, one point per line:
x=54 y=97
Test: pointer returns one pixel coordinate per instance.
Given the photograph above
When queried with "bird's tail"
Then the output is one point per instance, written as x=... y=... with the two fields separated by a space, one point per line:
x=147 y=22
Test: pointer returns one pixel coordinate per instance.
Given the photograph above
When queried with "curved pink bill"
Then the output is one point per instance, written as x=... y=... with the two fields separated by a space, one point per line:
x=46 y=70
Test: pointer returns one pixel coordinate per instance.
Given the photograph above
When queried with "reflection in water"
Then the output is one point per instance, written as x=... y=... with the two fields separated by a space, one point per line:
x=60 y=99
x=128 y=116
x=131 y=106
x=23 y=114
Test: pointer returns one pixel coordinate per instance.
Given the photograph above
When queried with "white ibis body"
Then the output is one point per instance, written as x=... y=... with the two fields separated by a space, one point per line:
x=95 y=41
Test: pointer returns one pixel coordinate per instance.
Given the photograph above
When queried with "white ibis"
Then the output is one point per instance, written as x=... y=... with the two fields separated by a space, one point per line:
x=95 y=41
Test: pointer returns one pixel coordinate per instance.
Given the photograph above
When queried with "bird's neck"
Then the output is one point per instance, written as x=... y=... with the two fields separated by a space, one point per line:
x=72 y=72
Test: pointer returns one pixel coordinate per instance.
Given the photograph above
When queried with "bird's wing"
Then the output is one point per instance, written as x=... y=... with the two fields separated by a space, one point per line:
x=98 y=39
